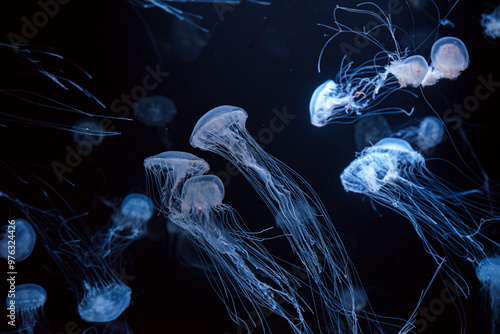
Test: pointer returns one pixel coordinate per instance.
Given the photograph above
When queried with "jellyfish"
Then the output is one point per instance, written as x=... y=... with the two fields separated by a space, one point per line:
x=449 y=58
x=187 y=41
x=491 y=23
x=447 y=219
x=299 y=214
x=26 y=303
x=101 y=296
x=88 y=130
x=354 y=298
x=155 y=110
x=128 y=224
x=369 y=130
x=18 y=240
x=488 y=273
x=423 y=136
x=229 y=253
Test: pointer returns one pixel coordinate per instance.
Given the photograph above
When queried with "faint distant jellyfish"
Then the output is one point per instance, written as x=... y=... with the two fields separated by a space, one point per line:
x=298 y=213
x=354 y=298
x=369 y=130
x=187 y=40
x=488 y=273
x=18 y=241
x=240 y=260
x=447 y=220
x=27 y=304
x=449 y=58
x=155 y=110
x=491 y=23
x=127 y=225
x=88 y=130
x=424 y=136
x=68 y=241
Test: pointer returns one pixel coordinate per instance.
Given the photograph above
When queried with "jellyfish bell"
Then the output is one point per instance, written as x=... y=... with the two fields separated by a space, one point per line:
x=104 y=303
x=327 y=98
x=28 y=301
x=201 y=193
x=88 y=129
x=137 y=207
x=491 y=23
x=488 y=274
x=410 y=71
x=449 y=58
x=424 y=136
x=24 y=237
x=155 y=110
x=369 y=130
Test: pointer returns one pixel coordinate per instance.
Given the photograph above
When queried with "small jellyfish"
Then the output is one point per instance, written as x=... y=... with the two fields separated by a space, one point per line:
x=447 y=219
x=300 y=214
x=128 y=224
x=488 y=273
x=410 y=71
x=491 y=23
x=155 y=110
x=18 y=240
x=103 y=303
x=88 y=130
x=233 y=255
x=369 y=130
x=354 y=299
x=187 y=41
x=424 y=136
x=449 y=58
x=26 y=302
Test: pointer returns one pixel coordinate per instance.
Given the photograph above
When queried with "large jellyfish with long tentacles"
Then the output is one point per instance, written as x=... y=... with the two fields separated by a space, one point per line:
x=230 y=254
x=448 y=220
x=299 y=213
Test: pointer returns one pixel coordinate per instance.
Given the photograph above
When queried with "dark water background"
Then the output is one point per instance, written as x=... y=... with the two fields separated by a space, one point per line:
x=260 y=58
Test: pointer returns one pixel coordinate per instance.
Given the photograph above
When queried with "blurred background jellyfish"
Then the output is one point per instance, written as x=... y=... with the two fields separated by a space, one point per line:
x=423 y=136
x=491 y=23
x=449 y=57
x=26 y=307
x=354 y=298
x=128 y=224
x=18 y=240
x=155 y=110
x=448 y=220
x=101 y=296
x=299 y=214
x=187 y=40
x=88 y=130
x=488 y=273
x=369 y=130
x=231 y=254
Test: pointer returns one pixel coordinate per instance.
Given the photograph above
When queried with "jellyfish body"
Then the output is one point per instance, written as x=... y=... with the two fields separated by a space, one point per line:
x=27 y=302
x=447 y=220
x=488 y=273
x=410 y=71
x=155 y=110
x=424 y=136
x=89 y=130
x=491 y=23
x=297 y=213
x=369 y=130
x=22 y=241
x=215 y=230
x=104 y=303
x=128 y=224
x=449 y=57
x=354 y=298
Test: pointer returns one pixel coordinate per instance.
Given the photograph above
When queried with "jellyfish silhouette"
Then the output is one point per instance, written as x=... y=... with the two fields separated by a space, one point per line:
x=26 y=303
x=300 y=214
x=155 y=110
x=447 y=219
x=231 y=255
x=424 y=136
x=18 y=240
x=488 y=273
x=369 y=130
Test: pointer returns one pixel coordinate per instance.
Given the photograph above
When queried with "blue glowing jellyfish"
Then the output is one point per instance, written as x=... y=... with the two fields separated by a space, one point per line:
x=488 y=273
x=369 y=130
x=447 y=219
x=300 y=214
x=128 y=224
x=354 y=298
x=358 y=91
x=233 y=255
x=88 y=130
x=423 y=136
x=18 y=240
x=155 y=110
x=491 y=23
x=100 y=294
x=449 y=58
x=25 y=308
